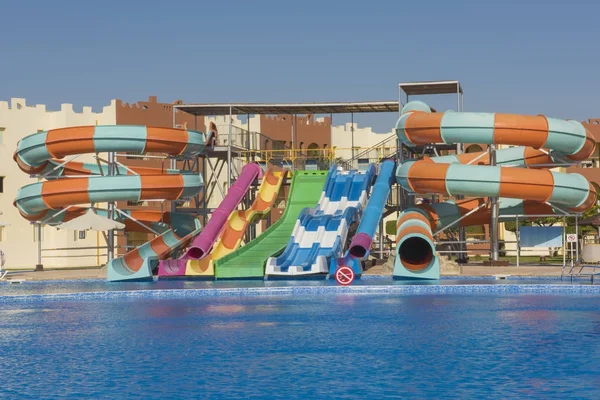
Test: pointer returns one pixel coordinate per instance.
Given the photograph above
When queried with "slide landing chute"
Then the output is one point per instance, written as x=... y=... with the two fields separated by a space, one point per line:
x=320 y=233
x=249 y=261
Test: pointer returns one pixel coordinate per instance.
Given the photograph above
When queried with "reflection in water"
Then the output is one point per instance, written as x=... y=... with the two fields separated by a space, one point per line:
x=226 y=309
x=266 y=323
x=345 y=299
x=228 y=325
x=304 y=347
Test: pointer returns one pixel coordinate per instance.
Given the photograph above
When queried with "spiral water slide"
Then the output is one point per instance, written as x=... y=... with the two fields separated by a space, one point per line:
x=56 y=200
x=541 y=143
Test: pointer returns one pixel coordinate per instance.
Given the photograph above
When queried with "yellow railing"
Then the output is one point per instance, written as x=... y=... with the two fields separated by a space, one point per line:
x=297 y=157
x=293 y=154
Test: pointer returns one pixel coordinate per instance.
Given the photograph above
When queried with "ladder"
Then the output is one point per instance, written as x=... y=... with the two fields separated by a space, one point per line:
x=577 y=270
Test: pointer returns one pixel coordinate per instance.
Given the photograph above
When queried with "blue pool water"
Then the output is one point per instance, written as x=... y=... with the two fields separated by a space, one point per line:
x=324 y=346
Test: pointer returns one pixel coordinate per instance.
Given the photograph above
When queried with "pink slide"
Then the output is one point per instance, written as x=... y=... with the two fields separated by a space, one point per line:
x=202 y=244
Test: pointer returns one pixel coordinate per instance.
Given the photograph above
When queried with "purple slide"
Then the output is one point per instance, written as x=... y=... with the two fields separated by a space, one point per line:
x=203 y=243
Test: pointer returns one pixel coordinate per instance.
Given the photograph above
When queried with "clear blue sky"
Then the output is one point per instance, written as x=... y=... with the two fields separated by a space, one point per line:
x=511 y=56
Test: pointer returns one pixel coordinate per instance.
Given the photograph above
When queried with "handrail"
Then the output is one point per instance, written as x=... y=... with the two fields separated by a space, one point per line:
x=374 y=147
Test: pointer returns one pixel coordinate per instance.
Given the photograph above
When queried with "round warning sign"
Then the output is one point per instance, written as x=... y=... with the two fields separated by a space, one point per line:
x=344 y=275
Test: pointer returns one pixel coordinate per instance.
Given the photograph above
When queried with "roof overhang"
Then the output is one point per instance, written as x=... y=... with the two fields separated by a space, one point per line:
x=289 y=108
x=432 y=87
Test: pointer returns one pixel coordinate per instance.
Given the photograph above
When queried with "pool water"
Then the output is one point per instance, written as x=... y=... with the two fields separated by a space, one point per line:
x=325 y=346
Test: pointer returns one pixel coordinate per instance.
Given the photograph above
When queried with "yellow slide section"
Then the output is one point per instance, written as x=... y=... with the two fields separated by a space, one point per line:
x=238 y=221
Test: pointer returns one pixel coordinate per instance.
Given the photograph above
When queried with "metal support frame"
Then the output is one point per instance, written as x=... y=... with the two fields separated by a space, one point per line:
x=494 y=208
x=352 y=133
x=136 y=221
x=111 y=210
x=461 y=218
x=68 y=160
x=39 y=266
x=229 y=148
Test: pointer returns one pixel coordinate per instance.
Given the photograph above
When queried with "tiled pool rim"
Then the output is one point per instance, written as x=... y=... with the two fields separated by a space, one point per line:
x=423 y=289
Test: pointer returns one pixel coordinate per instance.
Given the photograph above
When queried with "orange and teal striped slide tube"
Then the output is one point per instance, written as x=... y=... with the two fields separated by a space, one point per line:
x=541 y=142
x=231 y=237
x=36 y=152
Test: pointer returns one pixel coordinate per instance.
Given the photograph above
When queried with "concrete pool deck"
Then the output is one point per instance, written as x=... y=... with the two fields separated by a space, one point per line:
x=464 y=270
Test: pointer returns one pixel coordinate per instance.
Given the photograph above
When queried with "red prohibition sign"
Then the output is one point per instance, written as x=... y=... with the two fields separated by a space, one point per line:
x=344 y=275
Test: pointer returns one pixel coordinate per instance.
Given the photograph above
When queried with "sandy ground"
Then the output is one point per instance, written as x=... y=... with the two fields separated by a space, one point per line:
x=465 y=270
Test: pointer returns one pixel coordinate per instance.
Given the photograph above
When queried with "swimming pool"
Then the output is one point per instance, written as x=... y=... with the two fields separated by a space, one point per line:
x=497 y=345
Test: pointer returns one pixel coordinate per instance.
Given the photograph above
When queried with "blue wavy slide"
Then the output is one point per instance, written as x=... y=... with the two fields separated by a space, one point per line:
x=320 y=233
x=361 y=242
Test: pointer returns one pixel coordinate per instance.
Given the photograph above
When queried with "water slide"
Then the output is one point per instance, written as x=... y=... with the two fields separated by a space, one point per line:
x=320 y=233
x=360 y=245
x=231 y=237
x=249 y=261
x=55 y=200
x=541 y=143
x=202 y=244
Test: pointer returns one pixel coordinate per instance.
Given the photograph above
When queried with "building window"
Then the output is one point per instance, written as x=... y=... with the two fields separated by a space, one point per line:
x=1 y=184
x=136 y=239
x=2 y=134
x=313 y=150
x=363 y=164
x=78 y=235
x=278 y=145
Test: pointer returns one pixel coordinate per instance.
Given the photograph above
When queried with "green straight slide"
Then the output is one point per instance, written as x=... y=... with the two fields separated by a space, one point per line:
x=249 y=261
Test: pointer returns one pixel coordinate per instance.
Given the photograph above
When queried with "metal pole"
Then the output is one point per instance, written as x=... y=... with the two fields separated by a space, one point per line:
x=352 y=132
x=564 y=243
x=111 y=209
x=457 y=96
x=293 y=136
x=39 y=266
x=494 y=213
x=462 y=233
x=518 y=237
x=576 y=238
x=331 y=138
x=229 y=150
x=381 y=239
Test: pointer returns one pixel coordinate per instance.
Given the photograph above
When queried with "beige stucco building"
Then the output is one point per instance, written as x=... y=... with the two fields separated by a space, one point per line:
x=18 y=238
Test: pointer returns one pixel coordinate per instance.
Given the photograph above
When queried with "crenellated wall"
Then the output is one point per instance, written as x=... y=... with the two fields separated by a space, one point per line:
x=307 y=130
x=17 y=120
x=153 y=113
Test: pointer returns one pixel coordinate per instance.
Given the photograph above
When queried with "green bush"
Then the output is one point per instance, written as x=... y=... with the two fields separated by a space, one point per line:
x=390 y=228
